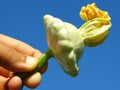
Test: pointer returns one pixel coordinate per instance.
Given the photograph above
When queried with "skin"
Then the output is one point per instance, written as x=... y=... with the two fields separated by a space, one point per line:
x=17 y=56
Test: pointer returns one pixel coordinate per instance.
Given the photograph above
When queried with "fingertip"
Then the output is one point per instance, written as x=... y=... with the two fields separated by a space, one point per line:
x=33 y=81
x=14 y=83
x=29 y=64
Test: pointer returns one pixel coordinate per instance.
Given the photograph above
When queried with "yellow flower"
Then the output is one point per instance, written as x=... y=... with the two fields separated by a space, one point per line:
x=91 y=11
x=97 y=25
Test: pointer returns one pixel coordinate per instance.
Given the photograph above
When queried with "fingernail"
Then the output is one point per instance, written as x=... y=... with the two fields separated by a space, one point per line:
x=30 y=60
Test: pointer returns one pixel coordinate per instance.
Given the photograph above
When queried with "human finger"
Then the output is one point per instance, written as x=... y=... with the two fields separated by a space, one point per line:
x=22 y=48
x=15 y=83
x=15 y=61
x=18 y=45
x=33 y=81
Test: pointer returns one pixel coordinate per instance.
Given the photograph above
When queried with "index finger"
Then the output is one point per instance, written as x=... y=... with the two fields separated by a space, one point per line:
x=19 y=46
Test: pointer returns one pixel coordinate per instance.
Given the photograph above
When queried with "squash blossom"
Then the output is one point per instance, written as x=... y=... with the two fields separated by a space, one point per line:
x=66 y=42
x=96 y=29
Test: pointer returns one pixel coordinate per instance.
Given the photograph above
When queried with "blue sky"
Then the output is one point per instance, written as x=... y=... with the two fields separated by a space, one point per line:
x=99 y=66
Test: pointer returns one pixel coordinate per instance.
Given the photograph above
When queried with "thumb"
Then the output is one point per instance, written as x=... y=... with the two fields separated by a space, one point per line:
x=15 y=61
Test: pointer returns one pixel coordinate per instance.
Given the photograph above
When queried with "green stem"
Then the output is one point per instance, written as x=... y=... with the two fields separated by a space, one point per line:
x=41 y=61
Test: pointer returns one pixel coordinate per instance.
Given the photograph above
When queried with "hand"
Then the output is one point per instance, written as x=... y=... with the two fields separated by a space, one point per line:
x=16 y=56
